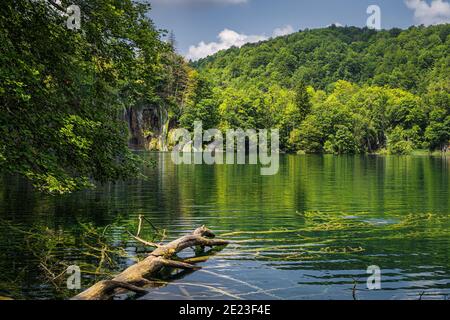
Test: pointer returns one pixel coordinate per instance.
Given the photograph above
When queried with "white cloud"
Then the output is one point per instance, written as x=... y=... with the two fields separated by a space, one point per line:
x=435 y=13
x=229 y=38
x=284 y=31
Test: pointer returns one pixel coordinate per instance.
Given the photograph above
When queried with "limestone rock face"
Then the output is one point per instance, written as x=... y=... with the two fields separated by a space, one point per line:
x=148 y=127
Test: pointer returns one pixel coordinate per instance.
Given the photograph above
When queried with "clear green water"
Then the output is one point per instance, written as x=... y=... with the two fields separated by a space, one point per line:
x=309 y=232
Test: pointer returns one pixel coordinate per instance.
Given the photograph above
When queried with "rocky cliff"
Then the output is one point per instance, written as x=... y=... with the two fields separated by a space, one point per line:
x=149 y=127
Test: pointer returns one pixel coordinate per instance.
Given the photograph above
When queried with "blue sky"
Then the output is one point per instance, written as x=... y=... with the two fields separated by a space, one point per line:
x=202 y=27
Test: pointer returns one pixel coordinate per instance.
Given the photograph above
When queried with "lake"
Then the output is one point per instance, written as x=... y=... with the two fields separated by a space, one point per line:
x=309 y=232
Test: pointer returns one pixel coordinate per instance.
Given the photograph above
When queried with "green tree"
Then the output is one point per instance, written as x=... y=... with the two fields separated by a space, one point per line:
x=241 y=109
x=200 y=104
x=295 y=113
x=437 y=134
x=342 y=142
x=309 y=137
x=63 y=92
x=398 y=142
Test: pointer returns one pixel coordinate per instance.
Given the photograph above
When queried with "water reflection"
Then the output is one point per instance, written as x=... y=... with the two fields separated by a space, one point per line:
x=329 y=218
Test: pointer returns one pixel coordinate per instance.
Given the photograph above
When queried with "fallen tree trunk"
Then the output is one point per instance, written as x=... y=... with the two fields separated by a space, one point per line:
x=135 y=279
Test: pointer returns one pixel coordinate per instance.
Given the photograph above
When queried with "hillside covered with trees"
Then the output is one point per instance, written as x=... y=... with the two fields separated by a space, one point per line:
x=335 y=90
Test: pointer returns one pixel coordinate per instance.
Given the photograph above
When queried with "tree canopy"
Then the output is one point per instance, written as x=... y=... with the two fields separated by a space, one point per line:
x=340 y=89
x=63 y=92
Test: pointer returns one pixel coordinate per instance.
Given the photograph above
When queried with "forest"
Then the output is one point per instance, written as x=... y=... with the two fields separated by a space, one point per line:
x=72 y=100
x=64 y=93
x=336 y=90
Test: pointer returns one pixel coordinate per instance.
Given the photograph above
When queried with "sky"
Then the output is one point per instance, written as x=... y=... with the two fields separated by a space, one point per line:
x=203 y=27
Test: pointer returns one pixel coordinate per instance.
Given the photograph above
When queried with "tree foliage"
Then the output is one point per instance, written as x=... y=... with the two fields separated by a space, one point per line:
x=340 y=89
x=63 y=92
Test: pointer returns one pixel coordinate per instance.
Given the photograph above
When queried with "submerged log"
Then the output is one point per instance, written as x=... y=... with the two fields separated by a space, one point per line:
x=134 y=278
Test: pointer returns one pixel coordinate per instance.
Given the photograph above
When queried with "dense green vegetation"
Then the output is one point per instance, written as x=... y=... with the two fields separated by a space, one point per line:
x=339 y=90
x=63 y=92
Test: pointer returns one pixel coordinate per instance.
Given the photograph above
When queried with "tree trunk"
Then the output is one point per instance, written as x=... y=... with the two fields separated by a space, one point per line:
x=134 y=278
